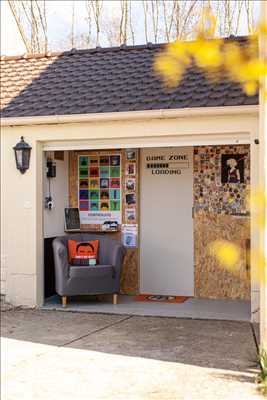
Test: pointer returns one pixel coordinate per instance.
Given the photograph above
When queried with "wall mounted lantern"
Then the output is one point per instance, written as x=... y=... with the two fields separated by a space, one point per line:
x=22 y=155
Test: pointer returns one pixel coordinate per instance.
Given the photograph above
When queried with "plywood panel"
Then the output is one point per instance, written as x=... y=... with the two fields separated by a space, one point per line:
x=212 y=280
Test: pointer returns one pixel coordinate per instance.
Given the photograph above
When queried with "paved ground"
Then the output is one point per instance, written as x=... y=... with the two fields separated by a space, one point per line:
x=222 y=309
x=53 y=355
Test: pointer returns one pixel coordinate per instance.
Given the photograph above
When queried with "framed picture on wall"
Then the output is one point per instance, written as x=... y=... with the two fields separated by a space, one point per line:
x=131 y=154
x=130 y=169
x=130 y=184
x=232 y=168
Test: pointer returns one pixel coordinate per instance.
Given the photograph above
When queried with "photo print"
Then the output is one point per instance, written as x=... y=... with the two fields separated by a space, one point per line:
x=94 y=194
x=115 y=194
x=83 y=173
x=94 y=206
x=129 y=240
x=114 y=205
x=130 y=184
x=93 y=161
x=130 y=154
x=104 y=194
x=104 y=160
x=83 y=162
x=84 y=205
x=104 y=171
x=232 y=168
x=83 y=194
x=130 y=169
x=94 y=171
x=115 y=183
x=104 y=206
x=114 y=172
x=115 y=161
x=84 y=184
x=129 y=235
x=130 y=199
x=104 y=182
x=130 y=215
x=94 y=183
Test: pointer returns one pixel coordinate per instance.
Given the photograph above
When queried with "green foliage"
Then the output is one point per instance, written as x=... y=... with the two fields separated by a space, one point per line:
x=262 y=378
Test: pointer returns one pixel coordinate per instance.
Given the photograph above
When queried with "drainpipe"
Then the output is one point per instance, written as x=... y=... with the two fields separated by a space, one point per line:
x=263 y=183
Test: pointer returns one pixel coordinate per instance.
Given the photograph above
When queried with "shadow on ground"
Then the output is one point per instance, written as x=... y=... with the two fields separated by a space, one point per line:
x=210 y=344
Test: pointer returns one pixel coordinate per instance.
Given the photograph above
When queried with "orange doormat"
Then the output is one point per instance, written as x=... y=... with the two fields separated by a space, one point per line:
x=161 y=298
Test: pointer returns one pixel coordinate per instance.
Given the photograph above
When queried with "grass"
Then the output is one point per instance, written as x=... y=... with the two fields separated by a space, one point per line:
x=262 y=378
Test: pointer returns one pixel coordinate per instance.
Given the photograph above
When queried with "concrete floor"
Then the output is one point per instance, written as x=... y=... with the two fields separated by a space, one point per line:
x=231 y=310
x=64 y=355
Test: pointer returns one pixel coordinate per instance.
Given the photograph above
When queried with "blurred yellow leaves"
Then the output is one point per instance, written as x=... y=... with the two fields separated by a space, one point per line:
x=226 y=253
x=206 y=26
x=232 y=59
x=219 y=59
x=259 y=202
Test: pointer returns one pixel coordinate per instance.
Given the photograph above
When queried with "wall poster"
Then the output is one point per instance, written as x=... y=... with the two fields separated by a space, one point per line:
x=99 y=188
x=129 y=235
x=233 y=166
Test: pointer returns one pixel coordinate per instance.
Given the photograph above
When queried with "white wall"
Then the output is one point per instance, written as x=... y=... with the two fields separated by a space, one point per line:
x=54 y=219
x=22 y=199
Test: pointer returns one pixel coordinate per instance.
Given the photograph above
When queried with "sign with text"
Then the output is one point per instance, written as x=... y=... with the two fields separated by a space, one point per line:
x=167 y=164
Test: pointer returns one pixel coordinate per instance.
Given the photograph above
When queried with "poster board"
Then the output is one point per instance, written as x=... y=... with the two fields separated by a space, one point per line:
x=99 y=189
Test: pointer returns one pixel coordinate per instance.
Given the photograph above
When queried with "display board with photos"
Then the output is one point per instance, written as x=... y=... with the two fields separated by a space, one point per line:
x=99 y=188
x=130 y=229
x=129 y=205
x=130 y=200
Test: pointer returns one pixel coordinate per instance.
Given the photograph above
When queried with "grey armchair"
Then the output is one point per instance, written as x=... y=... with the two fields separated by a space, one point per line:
x=104 y=278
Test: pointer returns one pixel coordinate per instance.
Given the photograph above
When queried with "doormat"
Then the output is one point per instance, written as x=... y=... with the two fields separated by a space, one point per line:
x=161 y=298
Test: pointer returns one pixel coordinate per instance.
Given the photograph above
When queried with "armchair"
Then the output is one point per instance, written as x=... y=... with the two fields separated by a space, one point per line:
x=103 y=278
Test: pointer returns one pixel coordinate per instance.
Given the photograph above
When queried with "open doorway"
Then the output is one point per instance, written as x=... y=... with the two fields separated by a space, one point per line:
x=165 y=219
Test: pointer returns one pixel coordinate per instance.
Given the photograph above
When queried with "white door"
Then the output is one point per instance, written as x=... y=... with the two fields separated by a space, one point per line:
x=166 y=225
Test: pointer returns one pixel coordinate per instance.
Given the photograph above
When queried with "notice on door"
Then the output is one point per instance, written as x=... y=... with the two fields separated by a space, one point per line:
x=167 y=164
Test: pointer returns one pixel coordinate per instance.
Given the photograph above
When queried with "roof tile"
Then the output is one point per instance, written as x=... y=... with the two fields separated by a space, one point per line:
x=105 y=80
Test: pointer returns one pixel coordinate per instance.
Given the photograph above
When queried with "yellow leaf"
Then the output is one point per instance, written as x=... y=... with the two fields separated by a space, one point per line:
x=206 y=26
x=208 y=54
x=262 y=29
x=260 y=264
x=250 y=88
x=169 y=69
x=232 y=56
x=258 y=200
x=226 y=253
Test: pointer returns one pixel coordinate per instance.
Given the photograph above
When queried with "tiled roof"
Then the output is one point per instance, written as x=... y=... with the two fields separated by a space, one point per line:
x=104 y=80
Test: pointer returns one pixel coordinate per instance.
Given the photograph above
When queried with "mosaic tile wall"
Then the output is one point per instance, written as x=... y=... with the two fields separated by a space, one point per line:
x=210 y=194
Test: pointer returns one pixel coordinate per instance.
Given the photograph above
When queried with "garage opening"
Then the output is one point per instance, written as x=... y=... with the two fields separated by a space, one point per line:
x=167 y=205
